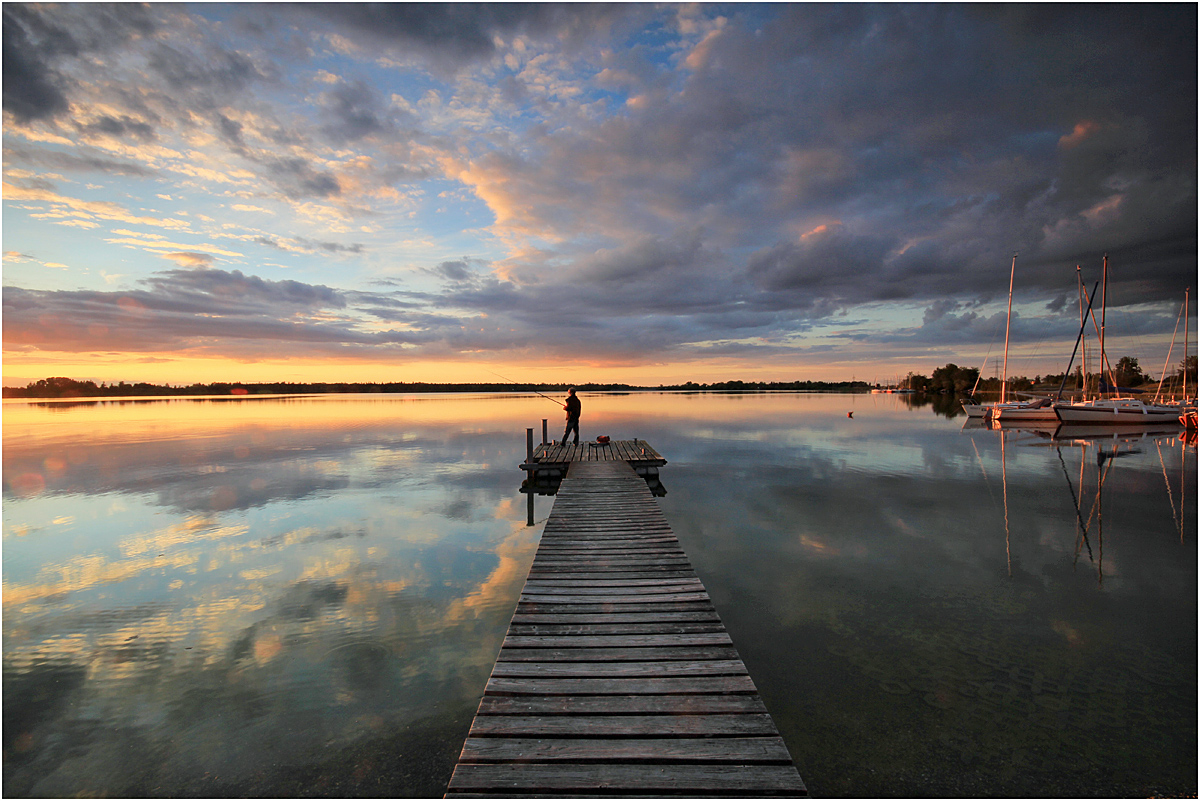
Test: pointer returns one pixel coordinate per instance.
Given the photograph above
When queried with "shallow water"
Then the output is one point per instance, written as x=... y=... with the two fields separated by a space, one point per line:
x=304 y=596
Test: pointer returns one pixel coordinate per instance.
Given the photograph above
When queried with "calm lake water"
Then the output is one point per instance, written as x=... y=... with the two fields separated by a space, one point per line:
x=304 y=596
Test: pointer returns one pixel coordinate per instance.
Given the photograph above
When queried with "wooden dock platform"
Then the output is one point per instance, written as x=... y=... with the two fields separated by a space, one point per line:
x=617 y=677
x=551 y=459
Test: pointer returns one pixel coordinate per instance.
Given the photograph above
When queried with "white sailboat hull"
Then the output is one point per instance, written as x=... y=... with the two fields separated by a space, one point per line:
x=976 y=409
x=1115 y=412
x=1024 y=412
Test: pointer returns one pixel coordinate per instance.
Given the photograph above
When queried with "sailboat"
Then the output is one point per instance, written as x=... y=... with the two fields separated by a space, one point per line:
x=976 y=410
x=1006 y=408
x=1118 y=410
x=988 y=410
x=1041 y=411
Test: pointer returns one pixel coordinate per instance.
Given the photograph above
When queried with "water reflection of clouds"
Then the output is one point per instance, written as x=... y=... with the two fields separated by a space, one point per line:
x=369 y=581
x=380 y=648
x=343 y=585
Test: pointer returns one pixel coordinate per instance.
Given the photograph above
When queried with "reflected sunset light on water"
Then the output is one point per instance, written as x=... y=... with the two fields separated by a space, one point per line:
x=259 y=596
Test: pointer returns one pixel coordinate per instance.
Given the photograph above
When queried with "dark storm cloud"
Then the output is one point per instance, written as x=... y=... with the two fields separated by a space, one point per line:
x=828 y=262
x=120 y=127
x=57 y=160
x=31 y=89
x=328 y=247
x=307 y=245
x=454 y=270
x=651 y=295
x=229 y=130
x=177 y=308
x=450 y=34
x=800 y=162
x=37 y=44
x=939 y=138
x=241 y=293
x=224 y=72
x=297 y=178
x=355 y=111
x=230 y=314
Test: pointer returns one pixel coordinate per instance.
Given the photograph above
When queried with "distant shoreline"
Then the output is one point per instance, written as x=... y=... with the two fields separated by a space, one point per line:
x=65 y=388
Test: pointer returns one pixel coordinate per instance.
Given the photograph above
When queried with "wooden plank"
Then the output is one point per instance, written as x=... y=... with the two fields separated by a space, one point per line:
x=624 y=616
x=641 y=563
x=626 y=537
x=745 y=750
x=617 y=641
x=623 y=538
x=557 y=608
x=614 y=528
x=621 y=705
x=610 y=573
x=595 y=608
x=675 y=685
x=540 y=583
x=583 y=654
x=637 y=598
x=645 y=778
x=602 y=591
x=625 y=725
x=610 y=554
x=606 y=670
x=607 y=573
x=613 y=537
x=563 y=629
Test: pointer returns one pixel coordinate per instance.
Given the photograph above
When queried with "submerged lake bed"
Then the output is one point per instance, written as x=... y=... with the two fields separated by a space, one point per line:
x=303 y=596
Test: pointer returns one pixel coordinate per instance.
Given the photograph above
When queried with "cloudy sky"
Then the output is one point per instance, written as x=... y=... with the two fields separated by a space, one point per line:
x=631 y=192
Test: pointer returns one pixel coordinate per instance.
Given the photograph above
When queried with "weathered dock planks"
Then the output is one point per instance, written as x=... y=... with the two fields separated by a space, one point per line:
x=552 y=459
x=622 y=450
x=617 y=676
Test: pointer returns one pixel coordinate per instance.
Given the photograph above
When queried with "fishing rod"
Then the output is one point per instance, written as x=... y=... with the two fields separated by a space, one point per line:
x=534 y=391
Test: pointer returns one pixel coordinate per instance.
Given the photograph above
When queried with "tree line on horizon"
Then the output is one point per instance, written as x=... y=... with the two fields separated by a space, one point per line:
x=948 y=379
x=1126 y=373
x=60 y=387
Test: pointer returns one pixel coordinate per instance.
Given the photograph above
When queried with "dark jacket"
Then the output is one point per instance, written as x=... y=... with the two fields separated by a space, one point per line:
x=573 y=407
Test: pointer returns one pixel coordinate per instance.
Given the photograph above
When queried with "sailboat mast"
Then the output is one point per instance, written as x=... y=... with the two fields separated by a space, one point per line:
x=1186 y=291
x=1103 y=309
x=1082 y=338
x=1167 y=363
x=1007 y=325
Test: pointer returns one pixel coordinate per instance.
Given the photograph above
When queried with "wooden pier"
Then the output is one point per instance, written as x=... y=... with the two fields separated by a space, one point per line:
x=552 y=460
x=617 y=677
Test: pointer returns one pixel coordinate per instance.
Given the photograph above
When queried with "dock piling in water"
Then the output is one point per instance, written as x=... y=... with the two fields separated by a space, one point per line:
x=617 y=676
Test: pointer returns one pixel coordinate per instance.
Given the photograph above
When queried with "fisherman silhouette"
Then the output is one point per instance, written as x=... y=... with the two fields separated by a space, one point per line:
x=572 y=408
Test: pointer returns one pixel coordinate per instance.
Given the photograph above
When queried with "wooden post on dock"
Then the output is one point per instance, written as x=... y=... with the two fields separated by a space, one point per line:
x=544 y=440
x=528 y=459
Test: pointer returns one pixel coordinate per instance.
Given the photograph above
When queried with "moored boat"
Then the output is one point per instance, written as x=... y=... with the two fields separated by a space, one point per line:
x=1030 y=410
x=1110 y=411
